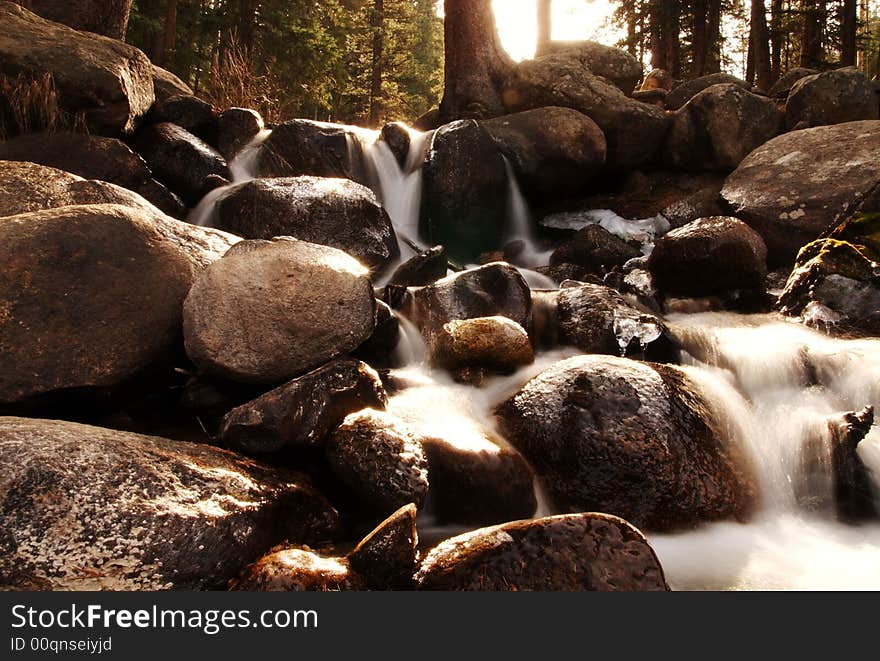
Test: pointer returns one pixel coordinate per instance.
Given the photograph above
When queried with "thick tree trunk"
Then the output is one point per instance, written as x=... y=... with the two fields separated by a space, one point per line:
x=476 y=64
x=759 y=46
x=163 y=52
x=107 y=17
x=545 y=25
x=700 y=43
x=665 y=27
x=713 y=37
x=377 y=24
x=848 y=28
x=775 y=39
x=811 y=37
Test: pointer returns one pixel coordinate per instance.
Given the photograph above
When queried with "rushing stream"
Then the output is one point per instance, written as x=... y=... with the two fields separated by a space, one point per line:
x=774 y=382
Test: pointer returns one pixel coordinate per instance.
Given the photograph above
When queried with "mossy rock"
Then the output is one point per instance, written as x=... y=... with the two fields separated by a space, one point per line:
x=861 y=230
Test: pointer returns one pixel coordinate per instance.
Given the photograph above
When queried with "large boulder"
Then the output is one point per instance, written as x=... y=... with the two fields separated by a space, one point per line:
x=598 y=319
x=780 y=89
x=235 y=128
x=792 y=188
x=332 y=212
x=186 y=111
x=633 y=439
x=833 y=97
x=180 y=160
x=613 y=64
x=106 y=17
x=708 y=256
x=683 y=93
x=108 y=82
x=93 y=157
x=379 y=460
x=92 y=295
x=466 y=214
x=719 y=127
x=595 y=249
x=553 y=151
x=269 y=311
x=28 y=187
x=300 y=414
x=386 y=558
x=85 y=508
x=304 y=147
x=852 y=479
x=633 y=130
x=574 y=552
x=423 y=269
x=495 y=289
x=166 y=84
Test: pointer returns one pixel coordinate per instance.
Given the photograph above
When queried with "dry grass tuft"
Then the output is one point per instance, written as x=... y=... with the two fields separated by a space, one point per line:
x=30 y=103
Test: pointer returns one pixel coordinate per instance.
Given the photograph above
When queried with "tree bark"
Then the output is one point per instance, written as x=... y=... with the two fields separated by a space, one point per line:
x=164 y=53
x=476 y=64
x=775 y=39
x=713 y=37
x=545 y=25
x=107 y=17
x=759 y=46
x=377 y=24
x=700 y=43
x=848 y=28
x=811 y=36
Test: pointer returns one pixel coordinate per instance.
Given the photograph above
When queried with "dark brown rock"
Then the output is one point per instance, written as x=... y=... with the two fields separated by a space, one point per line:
x=269 y=311
x=84 y=508
x=332 y=212
x=628 y=438
x=613 y=64
x=596 y=249
x=853 y=490
x=833 y=97
x=235 y=128
x=780 y=89
x=166 y=84
x=492 y=343
x=187 y=111
x=301 y=413
x=424 y=269
x=108 y=82
x=296 y=570
x=386 y=558
x=396 y=136
x=707 y=256
x=683 y=93
x=572 y=552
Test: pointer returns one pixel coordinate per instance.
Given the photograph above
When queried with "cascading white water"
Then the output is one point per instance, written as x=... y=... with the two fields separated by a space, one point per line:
x=520 y=227
x=776 y=383
x=243 y=168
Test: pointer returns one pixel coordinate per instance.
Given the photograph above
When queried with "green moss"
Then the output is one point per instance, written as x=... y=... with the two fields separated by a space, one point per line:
x=842 y=257
x=861 y=230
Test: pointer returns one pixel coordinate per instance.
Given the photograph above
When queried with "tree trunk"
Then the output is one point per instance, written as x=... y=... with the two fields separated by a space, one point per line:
x=811 y=36
x=476 y=64
x=163 y=53
x=848 y=28
x=377 y=23
x=713 y=37
x=759 y=46
x=664 y=29
x=700 y=45
x=775 y=39
x=107 y=17
x=545 y=25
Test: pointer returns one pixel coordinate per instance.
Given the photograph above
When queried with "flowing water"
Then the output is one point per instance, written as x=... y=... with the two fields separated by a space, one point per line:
x=771 y=381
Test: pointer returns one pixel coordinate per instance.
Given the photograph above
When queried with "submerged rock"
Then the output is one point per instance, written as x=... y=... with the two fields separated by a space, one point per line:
x=466 y=214
x=572 y=552
x=709 y=255
x=853 y=489
x=301 y=413
x=832 y=97
x=92 y=295
x=493 y=343
x=85 y=508
x=790 y=189
x=633 y=439
x=272 y=310
x=331 y=212
x=108 y=82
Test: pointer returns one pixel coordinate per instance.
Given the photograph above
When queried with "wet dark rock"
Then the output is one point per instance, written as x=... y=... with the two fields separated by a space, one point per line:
x=301 y=413
x=108 y=82
x=85 y=508
x=790 y=189
x=853 y=490
x=571 y=552
x=597 y=319
x=272 y=310
x=552 y=151
x=379 y=348
x=303 y=147
x=379 y=460
x=185 y=110
x=633 y=439
x=93 y=157
x=424 y=269
x=707 y=256
x=332 y=212
x=780 y=89
x=396 y=136
x=719 y=127
x=234 y=129
x=703 y=203
x=492 y=343
x=387 y=557
x=180 y=160
x=493 y=290
x=296 y=570
x=683 y=93
x=595 y=249
x=833 y=97
x=111 y=279
x=633 y=131
x=468 y=214
x=614 y=64
x=166 y=84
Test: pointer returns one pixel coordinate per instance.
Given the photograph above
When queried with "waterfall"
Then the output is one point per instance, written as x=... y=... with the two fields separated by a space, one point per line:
x=521 y=228
x=243 y=168
x=774 y=384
